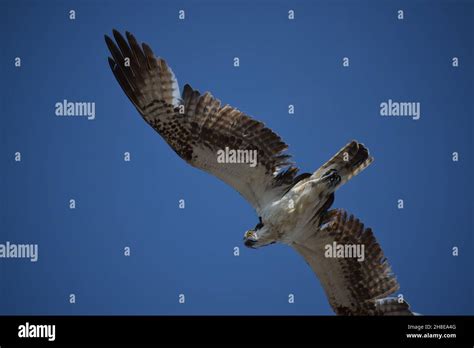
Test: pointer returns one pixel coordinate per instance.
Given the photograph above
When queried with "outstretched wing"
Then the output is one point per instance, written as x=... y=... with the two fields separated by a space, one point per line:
x=353 y=285
x=199 y=128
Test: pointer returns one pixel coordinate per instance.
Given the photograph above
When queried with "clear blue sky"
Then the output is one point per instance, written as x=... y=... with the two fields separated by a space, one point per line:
x=282 y=62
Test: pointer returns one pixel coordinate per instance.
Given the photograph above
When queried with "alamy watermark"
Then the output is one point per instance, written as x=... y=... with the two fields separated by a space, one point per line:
x=344 y=251
x=393 y=108
x=19 y=251
x=28 y=330
x=67 y=108
x=237 y=156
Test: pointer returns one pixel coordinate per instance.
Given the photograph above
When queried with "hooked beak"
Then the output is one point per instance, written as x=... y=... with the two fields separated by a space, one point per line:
x=250 y=239
x=249 y=243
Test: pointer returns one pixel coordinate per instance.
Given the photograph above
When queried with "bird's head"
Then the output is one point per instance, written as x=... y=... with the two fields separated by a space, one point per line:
x=255 y=237
x=250 y=238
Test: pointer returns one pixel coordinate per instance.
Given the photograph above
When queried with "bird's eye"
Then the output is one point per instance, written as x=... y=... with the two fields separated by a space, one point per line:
x=248 y=234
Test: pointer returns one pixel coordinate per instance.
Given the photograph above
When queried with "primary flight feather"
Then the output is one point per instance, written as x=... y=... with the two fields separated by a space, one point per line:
x=292 y=209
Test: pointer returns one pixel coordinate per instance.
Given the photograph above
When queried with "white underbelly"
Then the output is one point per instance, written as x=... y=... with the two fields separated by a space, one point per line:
x=290 y=215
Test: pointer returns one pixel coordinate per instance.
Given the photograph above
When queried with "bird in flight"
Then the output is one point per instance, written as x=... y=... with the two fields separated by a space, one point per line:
x=293 y=209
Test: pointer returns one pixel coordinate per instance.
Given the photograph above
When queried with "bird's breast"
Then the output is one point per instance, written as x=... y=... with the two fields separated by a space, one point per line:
x=290 y=215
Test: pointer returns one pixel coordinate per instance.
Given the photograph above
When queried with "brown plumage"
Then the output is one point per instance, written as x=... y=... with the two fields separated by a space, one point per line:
x=197 y=126
x=353 y=287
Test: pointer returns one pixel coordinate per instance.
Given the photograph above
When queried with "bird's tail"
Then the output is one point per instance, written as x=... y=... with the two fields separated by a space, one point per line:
x=348 y=162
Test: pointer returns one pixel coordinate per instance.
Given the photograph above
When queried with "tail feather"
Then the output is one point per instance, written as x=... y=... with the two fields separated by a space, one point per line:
x=349 y=161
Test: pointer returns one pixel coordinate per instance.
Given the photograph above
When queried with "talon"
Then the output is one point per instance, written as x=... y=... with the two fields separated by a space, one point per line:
x=333 y=177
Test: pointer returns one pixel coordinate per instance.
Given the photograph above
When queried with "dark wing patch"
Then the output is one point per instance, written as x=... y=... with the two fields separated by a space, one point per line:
x=353 y=287
x=197 y=126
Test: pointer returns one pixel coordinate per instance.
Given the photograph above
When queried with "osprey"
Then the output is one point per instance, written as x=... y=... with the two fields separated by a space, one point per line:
x=292 y=209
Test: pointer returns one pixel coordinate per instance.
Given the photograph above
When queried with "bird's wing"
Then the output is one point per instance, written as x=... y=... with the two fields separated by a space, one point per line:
x=198 y=128
x=353 y=287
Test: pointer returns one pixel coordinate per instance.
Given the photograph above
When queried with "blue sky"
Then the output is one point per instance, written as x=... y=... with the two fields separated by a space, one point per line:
x=190 y=251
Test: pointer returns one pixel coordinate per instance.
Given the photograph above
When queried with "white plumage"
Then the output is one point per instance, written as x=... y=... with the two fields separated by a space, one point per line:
x=293 y=209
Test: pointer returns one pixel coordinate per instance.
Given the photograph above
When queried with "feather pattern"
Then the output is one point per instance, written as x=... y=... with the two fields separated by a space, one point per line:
x=353 y=287
x=197 y=126
x=349 y=161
